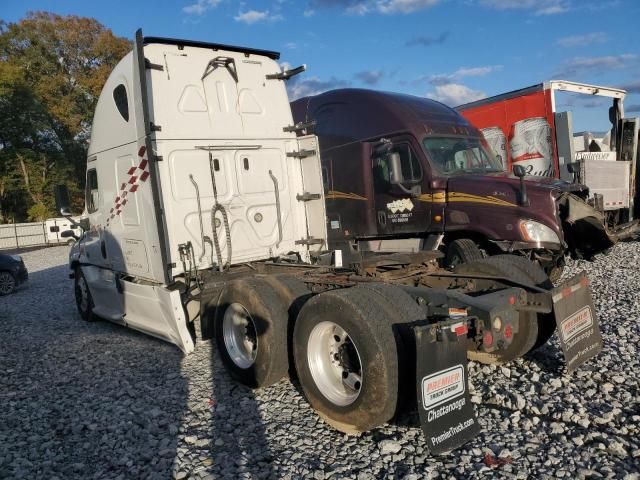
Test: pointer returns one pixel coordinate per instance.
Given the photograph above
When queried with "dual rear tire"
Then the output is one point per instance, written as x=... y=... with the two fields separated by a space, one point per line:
x=347 y=354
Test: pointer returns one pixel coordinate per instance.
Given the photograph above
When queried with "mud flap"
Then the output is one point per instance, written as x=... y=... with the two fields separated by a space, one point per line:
x=578 y=328
x=447 y=416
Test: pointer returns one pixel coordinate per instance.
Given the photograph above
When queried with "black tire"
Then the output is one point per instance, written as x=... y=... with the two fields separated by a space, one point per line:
x=359 y=314
x=463 y=250
x=8 y=283
x=546 y=321
x=294 y=294
x=401 y=308
x=527 y=334
x=268 y=330
x=84 y=300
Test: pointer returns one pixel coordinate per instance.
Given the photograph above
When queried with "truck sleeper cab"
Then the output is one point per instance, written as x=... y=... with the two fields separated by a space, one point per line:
x=203 y=204
x=445 y=188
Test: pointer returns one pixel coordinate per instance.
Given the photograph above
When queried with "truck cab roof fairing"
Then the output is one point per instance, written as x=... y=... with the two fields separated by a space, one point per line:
x=213 y=46
x=385 y=112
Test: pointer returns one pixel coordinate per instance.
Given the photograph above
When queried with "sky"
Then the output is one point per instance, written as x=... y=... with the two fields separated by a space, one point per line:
x=454 y=51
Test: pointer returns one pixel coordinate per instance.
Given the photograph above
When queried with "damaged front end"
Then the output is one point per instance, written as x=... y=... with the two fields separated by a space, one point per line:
x=585 y=228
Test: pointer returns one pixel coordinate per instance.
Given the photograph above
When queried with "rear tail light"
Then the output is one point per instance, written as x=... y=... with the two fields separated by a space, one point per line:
x=508 y=332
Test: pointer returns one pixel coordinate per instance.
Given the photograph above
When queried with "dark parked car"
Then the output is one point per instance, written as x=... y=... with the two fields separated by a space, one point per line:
x=12 y=273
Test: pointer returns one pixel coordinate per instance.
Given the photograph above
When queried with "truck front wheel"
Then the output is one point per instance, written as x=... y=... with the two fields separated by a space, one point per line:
x=463 y=250
x=346 y=359
x=251 y=332
x=84 y=300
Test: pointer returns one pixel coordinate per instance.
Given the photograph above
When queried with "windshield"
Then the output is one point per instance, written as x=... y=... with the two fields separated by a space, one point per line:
x=451 y=155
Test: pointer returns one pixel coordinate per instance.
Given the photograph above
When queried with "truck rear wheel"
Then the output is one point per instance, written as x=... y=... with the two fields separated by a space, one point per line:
x=293 y=293
x=463 y=250
x=346 y=359
x=401 y=308
x=523 y=341
x=251 y=332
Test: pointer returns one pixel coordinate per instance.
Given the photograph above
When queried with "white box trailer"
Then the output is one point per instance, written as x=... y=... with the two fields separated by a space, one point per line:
x=204 y=202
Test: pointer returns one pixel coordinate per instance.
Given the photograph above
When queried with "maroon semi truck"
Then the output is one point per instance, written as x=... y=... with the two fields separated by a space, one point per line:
x=405 y=173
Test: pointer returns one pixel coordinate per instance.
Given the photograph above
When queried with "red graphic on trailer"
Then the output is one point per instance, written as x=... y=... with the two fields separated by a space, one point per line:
x=137 y=175
x=520 y=130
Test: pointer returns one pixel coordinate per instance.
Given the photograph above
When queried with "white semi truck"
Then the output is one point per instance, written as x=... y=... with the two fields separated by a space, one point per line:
x=203 y=205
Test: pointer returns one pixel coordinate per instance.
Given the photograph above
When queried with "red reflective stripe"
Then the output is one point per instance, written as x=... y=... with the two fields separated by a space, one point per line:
x=141 y=150
x=144 y=176
x=566 y=292
x=143 y=164
x=133 y=188
x=133 y=179
x=123 y=186
x=131 y=170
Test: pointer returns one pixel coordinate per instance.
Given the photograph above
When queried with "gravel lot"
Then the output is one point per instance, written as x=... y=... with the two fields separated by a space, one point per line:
x=96 y=400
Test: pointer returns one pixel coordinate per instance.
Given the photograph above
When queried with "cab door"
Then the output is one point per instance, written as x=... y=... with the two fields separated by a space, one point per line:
x=400 y=199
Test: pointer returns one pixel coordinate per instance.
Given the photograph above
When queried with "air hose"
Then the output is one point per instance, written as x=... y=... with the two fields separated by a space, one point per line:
x=217 y=207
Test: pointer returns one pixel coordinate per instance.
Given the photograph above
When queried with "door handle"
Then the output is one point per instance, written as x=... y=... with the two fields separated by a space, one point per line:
x=382 y=217
x=103 y=249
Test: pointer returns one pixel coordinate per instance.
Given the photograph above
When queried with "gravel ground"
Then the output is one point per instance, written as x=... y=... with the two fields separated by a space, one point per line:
x=96 y=400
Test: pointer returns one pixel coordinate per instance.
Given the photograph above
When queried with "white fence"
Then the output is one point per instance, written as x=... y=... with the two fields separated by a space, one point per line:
x=17 y=235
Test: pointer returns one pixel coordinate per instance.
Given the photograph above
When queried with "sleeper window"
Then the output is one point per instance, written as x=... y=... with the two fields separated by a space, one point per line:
x=93 y=194
x=122 y=103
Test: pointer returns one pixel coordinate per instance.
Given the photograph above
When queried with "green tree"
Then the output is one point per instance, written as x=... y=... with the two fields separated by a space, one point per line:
x=52 y=69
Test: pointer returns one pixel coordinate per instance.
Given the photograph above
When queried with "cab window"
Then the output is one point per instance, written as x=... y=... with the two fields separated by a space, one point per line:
x=122 y=103
x=92 y=193
x=409 y=162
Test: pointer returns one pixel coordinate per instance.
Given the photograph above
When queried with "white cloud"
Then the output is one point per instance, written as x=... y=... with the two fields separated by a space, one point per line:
x=476 y=71
x=200 y=7
x=462 y=72
x=582 y=40
x=454 y=94
x=404 y=6
x=363 y=7
x=582 y=65
x=312 y=86
x=370 y=77
x=539 y=7
x=254 y=16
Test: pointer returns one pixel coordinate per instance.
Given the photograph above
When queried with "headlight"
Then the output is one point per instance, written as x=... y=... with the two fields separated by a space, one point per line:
x=537 y=232
x=17 y=258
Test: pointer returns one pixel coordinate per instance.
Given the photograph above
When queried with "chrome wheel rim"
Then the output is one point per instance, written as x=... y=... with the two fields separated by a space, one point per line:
x=82 y=294
x=7 y=283
x=334 y=362
x=240 y=336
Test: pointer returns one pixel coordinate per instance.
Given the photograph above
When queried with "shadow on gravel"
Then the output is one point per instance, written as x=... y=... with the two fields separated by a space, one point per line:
x=83 y=400
x=239 y=445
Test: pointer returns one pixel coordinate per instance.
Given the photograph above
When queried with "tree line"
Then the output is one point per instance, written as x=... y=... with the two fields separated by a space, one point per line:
x=52 y=69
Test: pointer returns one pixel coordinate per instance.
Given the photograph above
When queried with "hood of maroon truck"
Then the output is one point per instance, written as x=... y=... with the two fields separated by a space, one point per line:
x=493 y=199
